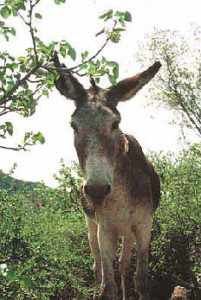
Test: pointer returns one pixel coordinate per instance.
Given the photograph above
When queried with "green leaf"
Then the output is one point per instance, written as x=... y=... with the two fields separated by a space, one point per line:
x=26 y=282
x=9 y=127
x=91 y=64
x=38 y=16
x=106 y=16
x=63 y=52
x=5 y=12
x=44 y=49
x=119 y=14
x=49 y=80
x=63 y=49
x=13 y=66
x=100 y=32
x=112 y=79
x=72 y=53
x=84 y=55
x=112 y=63
x=121 y=21
x=116 y=71
x=12 y=275
x=22 y=59
x=58 y=2
x=10 y=86
x=128 y=17
x=84 y=66
x=14 y=12
x=27 y=136
x=115 y=37
x=13 y=31
x=39 y=137
x=118 y=30
x=45 y=93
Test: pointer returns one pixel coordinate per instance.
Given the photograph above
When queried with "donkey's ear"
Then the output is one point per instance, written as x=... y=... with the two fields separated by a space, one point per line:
x=68 y=85
x=127 y=88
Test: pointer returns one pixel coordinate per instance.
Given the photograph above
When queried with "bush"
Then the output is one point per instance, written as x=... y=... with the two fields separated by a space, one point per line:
x=44 y=252
x=175 y=241
x=44 y=248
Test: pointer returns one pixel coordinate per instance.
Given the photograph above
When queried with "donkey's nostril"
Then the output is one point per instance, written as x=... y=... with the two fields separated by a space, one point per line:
x=107 y=189
x=87 y=189
x=97 y=191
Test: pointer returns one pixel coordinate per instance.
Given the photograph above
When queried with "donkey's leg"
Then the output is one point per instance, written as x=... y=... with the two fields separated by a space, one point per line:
x=107 y=244
x=143 y=233
x=124 y=265
x=93 y=243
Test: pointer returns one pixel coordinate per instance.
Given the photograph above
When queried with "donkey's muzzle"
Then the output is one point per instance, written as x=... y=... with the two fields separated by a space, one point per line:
x=97 y=191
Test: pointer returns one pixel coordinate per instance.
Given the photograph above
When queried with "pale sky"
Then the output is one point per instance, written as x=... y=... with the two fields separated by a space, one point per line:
x=77 y=22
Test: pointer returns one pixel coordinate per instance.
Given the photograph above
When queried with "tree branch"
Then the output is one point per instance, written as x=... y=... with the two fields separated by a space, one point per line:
x=23 y=19
x=189 y=116
x=6 y=97
x=13 y=148
x=31 y=28
x=174 y=87
x=98 y=52
x=87 y=60
x=4 y=112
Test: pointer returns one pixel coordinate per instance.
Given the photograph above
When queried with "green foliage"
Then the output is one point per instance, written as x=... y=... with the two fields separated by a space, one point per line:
x=25 y=79
x=6 y=128
x=44 y=252
x=39 y=255
x=58 y=2
x=100 y=68
x=6 y=31
x=5 y=12
x=175 y=247
x=69 y=180
x=177 y=86
x=119 y=18
x=38 y=16
x=66 y=49
x=97 y=68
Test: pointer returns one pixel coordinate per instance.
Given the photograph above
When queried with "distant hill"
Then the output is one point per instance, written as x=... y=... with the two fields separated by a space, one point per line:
x=15 y=185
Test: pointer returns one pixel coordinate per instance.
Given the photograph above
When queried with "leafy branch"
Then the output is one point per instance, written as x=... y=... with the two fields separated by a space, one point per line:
x=30 y=25
x=13 y=148
x=178 y=86
x=24 y=80
x=98 y=52
x=19 y=83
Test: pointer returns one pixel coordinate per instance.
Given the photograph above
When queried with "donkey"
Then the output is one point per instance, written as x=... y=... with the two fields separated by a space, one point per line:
x=121 y=189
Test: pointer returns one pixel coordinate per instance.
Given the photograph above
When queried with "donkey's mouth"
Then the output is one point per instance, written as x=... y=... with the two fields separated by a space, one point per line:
x=98 y=203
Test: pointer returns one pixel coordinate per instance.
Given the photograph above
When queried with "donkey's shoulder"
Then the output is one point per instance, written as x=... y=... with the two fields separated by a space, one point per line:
x=139 y=172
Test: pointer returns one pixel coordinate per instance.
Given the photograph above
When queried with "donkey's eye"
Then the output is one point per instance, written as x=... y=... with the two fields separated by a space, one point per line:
x=115 y=125
x=74 y=126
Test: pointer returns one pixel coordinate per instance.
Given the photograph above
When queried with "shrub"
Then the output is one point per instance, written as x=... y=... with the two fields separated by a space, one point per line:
x=44 y=252
x=176 y=232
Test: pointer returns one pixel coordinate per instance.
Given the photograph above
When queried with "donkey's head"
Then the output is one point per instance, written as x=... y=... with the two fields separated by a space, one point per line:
x=97 y=137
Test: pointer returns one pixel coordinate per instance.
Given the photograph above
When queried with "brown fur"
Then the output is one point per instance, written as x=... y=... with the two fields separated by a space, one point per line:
x=139 y=173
